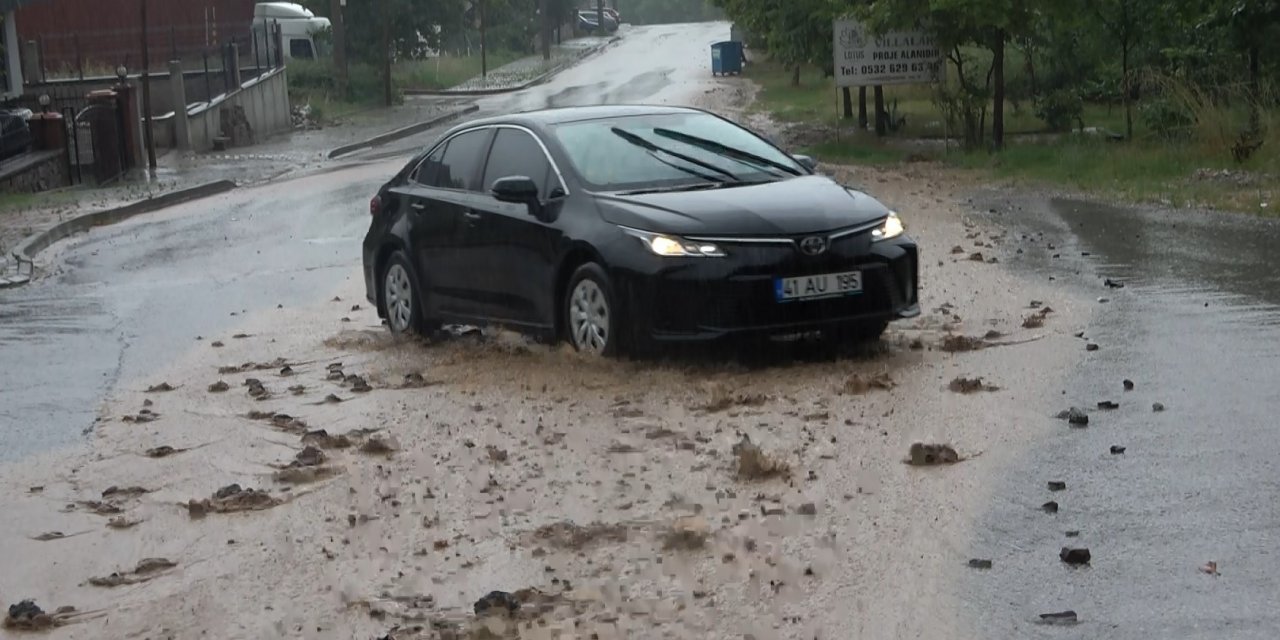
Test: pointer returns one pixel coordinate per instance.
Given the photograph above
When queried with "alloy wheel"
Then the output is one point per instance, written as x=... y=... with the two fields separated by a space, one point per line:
x=589 y=317
x=398 y=294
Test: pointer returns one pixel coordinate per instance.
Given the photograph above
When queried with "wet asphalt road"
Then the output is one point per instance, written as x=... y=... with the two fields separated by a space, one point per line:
x=1196 y=328
x=130 y=297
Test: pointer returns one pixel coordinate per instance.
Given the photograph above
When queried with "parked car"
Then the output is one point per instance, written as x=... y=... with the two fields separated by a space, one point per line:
x=15 y=134
x=588 y=20
x=617 y=226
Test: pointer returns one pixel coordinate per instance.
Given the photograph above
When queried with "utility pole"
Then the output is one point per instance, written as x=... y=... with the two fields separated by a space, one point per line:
x=484 y=60
x=386 y=53
x=146 y=92
x=339 y=44
x=546 y=30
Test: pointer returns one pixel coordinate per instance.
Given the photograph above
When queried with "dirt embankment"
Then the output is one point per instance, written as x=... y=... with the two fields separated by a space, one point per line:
x=389 y=486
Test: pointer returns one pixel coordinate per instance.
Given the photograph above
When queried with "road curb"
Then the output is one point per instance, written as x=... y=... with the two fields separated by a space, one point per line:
x=33 y=245
x=521 y=87
x=405 y=132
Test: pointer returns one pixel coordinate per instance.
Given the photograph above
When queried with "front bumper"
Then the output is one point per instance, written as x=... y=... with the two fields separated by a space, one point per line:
x=709 y=298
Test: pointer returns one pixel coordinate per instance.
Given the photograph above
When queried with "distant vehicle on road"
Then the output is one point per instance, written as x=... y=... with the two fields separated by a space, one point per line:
x=298 y=29
x=615 y=227
x=588 y=20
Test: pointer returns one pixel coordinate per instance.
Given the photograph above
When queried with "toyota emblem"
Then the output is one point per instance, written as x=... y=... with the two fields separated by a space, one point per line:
x=813 y=245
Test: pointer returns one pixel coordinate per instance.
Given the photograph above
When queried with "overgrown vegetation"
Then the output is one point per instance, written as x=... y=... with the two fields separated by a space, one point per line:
x=1166 y=100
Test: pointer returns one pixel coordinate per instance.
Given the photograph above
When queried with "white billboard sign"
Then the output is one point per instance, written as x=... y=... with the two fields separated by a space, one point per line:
x=897 y=57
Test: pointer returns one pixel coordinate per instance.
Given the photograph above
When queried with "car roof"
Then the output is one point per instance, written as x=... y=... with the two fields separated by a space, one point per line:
x=562 y=115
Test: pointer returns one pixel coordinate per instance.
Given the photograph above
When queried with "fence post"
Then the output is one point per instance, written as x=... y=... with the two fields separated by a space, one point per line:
x=173 y=42
x=235 y=67
x=40 y=49
x=279 y=40
x=208 y=84
x=178 y=97
x=79 y=61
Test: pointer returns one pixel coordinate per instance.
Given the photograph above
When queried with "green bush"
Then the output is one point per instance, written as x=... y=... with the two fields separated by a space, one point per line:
x=1060 y=109
x=1167 y=118
x=317 y=81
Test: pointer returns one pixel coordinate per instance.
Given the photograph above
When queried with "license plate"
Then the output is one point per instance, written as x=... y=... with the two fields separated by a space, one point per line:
x=815 y=287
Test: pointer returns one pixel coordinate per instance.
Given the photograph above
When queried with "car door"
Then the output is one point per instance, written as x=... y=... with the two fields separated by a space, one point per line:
x=520 y=248
x=441 y=195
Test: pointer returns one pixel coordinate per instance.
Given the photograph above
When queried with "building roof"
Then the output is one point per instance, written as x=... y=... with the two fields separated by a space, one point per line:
x=10 y=5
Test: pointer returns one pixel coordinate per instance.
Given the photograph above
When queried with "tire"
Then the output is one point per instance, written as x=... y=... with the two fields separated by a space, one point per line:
x=402 y=298
x=591 y=315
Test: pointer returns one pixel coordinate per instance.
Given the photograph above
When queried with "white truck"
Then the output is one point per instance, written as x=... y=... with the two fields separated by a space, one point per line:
x=298 y=29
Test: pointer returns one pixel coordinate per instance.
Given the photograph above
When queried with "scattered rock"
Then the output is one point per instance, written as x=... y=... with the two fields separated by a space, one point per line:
x=754 y=464
x=857 y=385
x=688 y=533
x=160 y=388
x=1059 y=618
x=970 y=385
x=979 y=563
x=957 y=250
x=361 y=386
x=310 y=456
x=101 y=508
x=1128 y=385
x=1073 y=534
x=146 y=570
x=231 y=498
x=1157 y=407
x=1108 y=405
x=1075 y=416
x=923 y=455
x=219 y=387
x=123 y=492
x=955 y=344
x=1033 y=321
x=1057 y=485
x=121 y=522
x=305 y=475
x=240 y=336
x=1113 y=284
x=569 y=535
x=27 y=616
x=977 y=257
x=496 y=454
x=321 y=438
x=723 y=398
x=377 y=446
x=1091 y=346
x=1049 y=507
x=1117 y=449
x=807 y=509
x=496 y=602
x=162 y=451
x=286 y=371
x=298 y=389
x=1211 y=568
x=49 y=535
x=1075 y=555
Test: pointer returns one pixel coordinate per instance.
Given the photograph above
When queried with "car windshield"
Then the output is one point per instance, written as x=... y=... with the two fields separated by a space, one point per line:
x=670 y=151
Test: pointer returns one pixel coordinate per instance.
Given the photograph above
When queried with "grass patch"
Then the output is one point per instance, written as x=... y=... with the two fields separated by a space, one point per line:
x=445 y=72
x=856 y=149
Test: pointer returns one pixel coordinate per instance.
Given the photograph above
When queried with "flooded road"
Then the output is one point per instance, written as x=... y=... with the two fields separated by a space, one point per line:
x=129 y=297
x=1196 y=328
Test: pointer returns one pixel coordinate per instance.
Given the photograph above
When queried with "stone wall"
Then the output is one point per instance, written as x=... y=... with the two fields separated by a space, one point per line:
x=33 y=172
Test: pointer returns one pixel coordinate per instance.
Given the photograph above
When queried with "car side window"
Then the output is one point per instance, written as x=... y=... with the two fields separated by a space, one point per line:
x=462 y=157
x=516 y=153
x=429 y=169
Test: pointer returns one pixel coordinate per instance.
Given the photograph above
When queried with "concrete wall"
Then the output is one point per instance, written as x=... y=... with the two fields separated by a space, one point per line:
x=265 y=101
x=34 y=172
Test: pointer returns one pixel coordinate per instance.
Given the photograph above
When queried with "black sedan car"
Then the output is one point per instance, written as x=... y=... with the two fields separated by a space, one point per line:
x=615 y=227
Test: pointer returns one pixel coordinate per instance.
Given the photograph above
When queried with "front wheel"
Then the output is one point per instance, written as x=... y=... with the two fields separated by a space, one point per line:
x=591 y=317
x=401 y=298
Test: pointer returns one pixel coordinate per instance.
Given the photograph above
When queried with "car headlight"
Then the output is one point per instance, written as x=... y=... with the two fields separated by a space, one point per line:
x=674 y=246
x=891 y=228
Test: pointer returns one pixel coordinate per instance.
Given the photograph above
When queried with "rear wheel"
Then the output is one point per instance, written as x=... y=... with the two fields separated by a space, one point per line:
x=401 y=298
x=591 y=317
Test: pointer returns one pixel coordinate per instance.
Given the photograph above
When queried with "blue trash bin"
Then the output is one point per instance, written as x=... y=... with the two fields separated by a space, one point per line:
x=726 y=58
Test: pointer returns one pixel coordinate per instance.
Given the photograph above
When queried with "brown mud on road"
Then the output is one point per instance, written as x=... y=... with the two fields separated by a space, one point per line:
x=599 y=498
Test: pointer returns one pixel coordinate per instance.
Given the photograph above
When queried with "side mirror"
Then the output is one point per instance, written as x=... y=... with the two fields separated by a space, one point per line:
x=806 y=162
x=519 y=189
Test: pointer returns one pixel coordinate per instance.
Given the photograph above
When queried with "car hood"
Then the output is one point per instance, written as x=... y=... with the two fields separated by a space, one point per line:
x=808 y=204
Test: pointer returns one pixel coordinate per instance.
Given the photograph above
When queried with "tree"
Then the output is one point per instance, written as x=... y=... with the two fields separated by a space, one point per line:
x=1125 y=23
x=795 y=32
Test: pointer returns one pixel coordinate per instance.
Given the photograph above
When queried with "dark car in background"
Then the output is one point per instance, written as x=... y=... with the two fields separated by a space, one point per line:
x=615 y=227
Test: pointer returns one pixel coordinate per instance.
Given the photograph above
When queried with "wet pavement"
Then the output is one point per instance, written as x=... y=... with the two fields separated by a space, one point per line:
x=1196 y=328
x=127 y=296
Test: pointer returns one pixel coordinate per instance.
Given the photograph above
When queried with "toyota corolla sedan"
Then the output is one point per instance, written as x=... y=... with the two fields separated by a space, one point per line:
x=619 y=227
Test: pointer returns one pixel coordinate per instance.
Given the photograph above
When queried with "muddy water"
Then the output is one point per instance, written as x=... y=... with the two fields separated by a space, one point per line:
x=1197 y=328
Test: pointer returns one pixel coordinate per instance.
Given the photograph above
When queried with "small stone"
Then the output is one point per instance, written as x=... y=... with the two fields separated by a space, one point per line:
x=1057 y=485
x=1091 y=347
x=1061 y=617
x=219 y=387
x=1128 y=385
x=1116 y=449
x=1073 y=534
x=808 y=509
x=979 y=563
x=1108 y=405
x=1050 y=507
x=496 y=601
x=1075 y=416
x=1113 y=284
x=1157 y=407
x=1075 y=556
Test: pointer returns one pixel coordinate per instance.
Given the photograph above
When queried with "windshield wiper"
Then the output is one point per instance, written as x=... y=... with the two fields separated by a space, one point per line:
x=744 y=157
x=654 y=149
